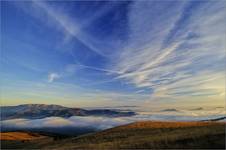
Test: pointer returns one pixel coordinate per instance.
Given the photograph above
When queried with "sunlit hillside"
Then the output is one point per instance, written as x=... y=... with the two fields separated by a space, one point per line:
x=141 y=135
x=145 y=135
x=20 y=136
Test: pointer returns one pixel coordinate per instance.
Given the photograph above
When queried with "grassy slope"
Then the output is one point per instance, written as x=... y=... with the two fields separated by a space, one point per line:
x=153 y=135
x=20 y=136
x=19 y=140
x=141 y=135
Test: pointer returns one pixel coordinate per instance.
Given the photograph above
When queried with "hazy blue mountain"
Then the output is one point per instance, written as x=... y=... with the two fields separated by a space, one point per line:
x=37 y=111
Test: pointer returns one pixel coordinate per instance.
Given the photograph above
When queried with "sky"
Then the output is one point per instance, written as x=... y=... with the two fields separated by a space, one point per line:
x=152 y=54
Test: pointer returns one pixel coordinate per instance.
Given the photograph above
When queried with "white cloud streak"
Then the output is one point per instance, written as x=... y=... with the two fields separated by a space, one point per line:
x=69 y=27
x=178 y=50
x=53 y=76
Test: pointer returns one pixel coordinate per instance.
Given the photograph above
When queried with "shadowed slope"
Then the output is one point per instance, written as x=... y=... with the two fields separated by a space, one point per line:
x=139 y=135
x=152 y=135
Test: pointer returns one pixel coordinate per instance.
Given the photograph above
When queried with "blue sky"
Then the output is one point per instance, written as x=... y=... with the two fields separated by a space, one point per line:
x=101 y=53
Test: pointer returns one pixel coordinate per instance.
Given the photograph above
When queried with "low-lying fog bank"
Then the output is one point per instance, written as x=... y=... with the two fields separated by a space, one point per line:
x=85 y=124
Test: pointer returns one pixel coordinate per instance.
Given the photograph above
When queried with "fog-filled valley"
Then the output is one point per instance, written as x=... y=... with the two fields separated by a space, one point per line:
x=76 y=125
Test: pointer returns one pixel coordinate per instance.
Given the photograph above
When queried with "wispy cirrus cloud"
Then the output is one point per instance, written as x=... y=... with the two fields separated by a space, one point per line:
x=163 y=50
x=179 y=50
x=72 y=29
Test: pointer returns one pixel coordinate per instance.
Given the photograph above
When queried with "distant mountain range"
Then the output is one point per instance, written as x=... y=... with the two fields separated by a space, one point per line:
x=174 y=110
x=38 y=111
x=199 y=108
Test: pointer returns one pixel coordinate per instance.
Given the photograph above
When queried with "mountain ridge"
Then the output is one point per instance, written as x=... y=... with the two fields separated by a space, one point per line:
x=38 y=111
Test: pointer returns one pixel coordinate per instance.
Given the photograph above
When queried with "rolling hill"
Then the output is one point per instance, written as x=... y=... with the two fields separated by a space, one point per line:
x=11 y=136
x=143 y=135
x=157 y=135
